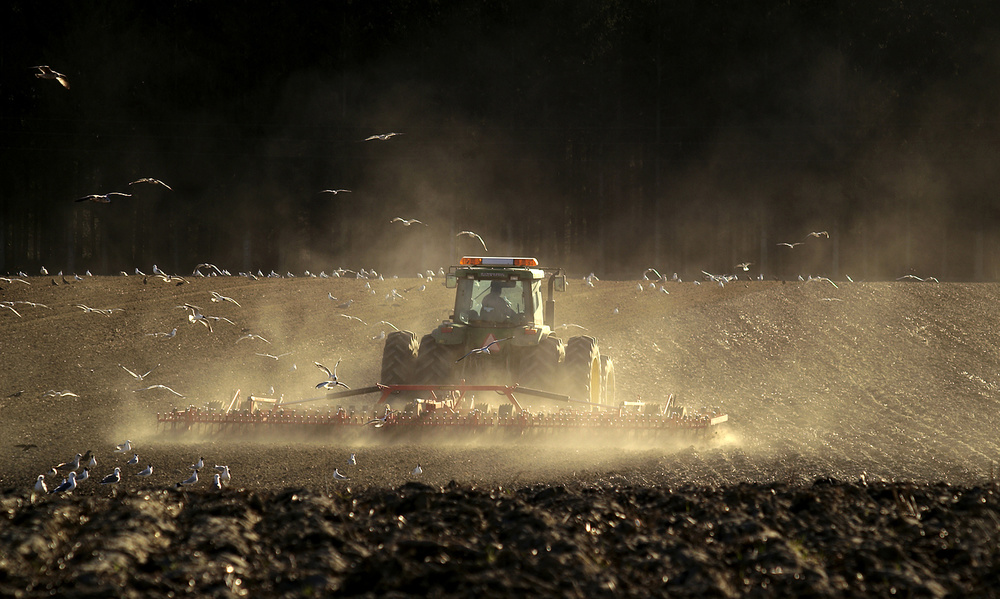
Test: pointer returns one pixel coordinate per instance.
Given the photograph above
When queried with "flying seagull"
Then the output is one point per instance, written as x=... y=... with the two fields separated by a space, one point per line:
x=102 y=198
x=790 y=245
x=336 y=191
x=159 y=387
x=331 y=382
x=744 y=265
x=381 y=136
x=45 y=72
x=473 y=234
x=151 y=181
x=139 y=377
x=818 y=234
x=218 y=297
x=407 y=223
x=484 y=349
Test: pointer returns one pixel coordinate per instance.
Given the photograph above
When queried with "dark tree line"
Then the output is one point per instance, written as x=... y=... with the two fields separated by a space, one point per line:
x=603 y=136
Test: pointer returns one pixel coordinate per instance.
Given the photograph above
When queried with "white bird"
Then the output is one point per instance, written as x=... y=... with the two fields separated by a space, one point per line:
x=224 y=473
x=168 y=335
x=406 y=222
x=46 y=72
x=252 y=336
x=103 y=198
x=147 y=471
x=190 y=480
x=381 y=136
x=337 y=475
x=112 y=478
x=418 y=470
x=473 y=234
x=43 y=271
x=484 y=349
x=218 y=297
x=151 y=181
x=744 y=265
x=83 y=475
x=93 y=462
x=139 y=377
x=790 y=245
x=352 y=461
x=274 y=356
x=71 y=465
x=331 y=382
x=336 y=191
x=349 y=317
x=818 y=234
x=133 y=460
x=569 y=324
x=40 y=484
x=216 y=483
x=124 y=447
x=67 y=486
x=615 y=311
x=158 y=387
x=63 y=393
x=198 y=465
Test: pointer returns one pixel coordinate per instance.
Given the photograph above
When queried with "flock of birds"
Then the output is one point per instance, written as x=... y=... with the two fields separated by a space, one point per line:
x=78 y=470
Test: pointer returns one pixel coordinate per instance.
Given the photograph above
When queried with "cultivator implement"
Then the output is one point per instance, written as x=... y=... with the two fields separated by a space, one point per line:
x=454 y=410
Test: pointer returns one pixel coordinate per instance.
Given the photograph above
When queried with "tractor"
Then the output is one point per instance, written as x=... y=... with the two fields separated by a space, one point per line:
x=502 y=333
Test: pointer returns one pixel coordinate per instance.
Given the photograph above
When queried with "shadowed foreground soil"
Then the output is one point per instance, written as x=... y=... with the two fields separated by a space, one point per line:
x=858 y=460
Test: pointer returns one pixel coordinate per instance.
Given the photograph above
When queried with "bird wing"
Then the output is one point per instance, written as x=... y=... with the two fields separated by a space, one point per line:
x=324 y=369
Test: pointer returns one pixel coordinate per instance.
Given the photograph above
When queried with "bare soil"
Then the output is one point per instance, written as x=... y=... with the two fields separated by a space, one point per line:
x=875 y=400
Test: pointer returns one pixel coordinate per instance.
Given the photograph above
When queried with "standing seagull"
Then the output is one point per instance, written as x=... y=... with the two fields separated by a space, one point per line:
x=216 y=483
x=224 y=474
x=352 y=461
x=151 y=181
x=190 y=480
x=473 y=234
x=40 y=484
x=45 y=72
x=68 y=485
x=124 y=447
x=418 y=470
x=381 y=136
x=331 y=382
x=147 y=471
x=113 y=478
x=71 y=465
x=102 y=198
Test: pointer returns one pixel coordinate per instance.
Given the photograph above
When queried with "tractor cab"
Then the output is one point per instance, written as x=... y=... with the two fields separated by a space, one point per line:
x=500 y=292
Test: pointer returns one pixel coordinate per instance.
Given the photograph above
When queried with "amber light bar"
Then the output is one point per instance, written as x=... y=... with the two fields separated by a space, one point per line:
x=490 y=261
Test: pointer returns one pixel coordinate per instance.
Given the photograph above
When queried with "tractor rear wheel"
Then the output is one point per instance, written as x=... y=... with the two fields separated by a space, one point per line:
x=607 y=381
x=435 y=363
x=399 y=356
x=540 y=365
x=582 y=369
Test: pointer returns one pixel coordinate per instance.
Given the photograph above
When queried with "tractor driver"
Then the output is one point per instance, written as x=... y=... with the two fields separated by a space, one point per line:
x=495 y=306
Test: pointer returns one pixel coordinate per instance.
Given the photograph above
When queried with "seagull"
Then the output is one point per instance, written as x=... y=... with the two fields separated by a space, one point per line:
x=790 y=245
x=252 y=336
x=407 y=223
x=336 y=191
x=190 y=480
x=147 y=471
x=158 y=387
x=13 y=280
x=92 y=462
x=42 y=271
x=46 y=72
x=40 y=484
x=124 y=447
x=345 y=305
x=273 y=356
x=352 y=461
x=418 y=470
x=139 y=377
x=818 y=234
x=63 y=393
x=381 y=136
x=84 y=475
x=389 y=323
x=70 y=465
x=744 y=265
x=151 y=181
x=10 y=307
x=198 y=465
x=331 y=382
x=67 y=486
x=216 y=483
x=168 y=335
x=484 y=349
x=348 y=316
x=217 y=297
x=102 y=198
x=133 y=460
x=337 y=475
x=224 y=473
x=473 y=234
x=570 y=324
x=207 y=265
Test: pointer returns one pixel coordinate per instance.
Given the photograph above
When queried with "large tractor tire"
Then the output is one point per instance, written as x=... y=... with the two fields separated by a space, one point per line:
x=582 y=369
x=399 y=357
x=540 y=365
x=608 y=381
x=435 y=363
